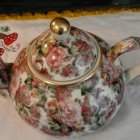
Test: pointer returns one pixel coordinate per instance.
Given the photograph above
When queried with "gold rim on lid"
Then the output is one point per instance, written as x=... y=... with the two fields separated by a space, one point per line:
x=60 y=29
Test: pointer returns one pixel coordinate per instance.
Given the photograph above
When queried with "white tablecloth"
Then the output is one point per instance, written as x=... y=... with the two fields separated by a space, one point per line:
x=112 y=28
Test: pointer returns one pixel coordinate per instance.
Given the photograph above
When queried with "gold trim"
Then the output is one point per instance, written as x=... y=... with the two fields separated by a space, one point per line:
x=84 y=77
x=60 y=26
x=67 y=13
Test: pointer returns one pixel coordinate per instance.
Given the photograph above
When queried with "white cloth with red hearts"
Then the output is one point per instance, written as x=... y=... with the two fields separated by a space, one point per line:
x=15 y=35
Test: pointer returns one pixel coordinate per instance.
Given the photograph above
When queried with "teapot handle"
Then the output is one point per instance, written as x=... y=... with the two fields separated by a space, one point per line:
x=129 y=44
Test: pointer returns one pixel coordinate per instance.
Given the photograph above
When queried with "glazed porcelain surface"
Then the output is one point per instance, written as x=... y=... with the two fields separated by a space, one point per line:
x=65 y=60
x=79 y=104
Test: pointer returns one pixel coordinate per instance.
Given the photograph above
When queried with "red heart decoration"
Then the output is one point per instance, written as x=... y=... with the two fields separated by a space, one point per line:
x=9 y=39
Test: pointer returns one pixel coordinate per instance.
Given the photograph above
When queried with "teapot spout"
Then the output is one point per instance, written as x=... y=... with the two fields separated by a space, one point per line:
x=5 y=74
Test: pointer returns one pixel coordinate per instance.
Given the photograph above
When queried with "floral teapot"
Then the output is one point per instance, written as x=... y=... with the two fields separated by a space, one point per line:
x=68 y=82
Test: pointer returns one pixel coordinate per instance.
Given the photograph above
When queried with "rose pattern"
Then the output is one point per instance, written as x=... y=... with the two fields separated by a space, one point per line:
x=22 y=95
x=71 y=114
x=65 y=60
x=71 y=109
x=69 y=70
x=55 y=57
x=67 y=110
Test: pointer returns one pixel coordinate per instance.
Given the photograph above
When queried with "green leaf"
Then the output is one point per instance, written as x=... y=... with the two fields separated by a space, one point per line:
x=52 y=89
x=43 y=99
x=5 y=29
x=85 y=90
x=116 y=87
x=53 y=124
x=20 y=106
x=55 y=127
x=63 y=45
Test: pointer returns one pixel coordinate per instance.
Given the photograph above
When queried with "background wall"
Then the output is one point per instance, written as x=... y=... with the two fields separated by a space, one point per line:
x=20 y=6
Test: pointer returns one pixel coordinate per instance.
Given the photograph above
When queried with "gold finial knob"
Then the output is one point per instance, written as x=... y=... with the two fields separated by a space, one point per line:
x=60 y=26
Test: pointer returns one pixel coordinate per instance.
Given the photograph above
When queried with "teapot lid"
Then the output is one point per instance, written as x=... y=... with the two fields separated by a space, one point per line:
x=63 y=54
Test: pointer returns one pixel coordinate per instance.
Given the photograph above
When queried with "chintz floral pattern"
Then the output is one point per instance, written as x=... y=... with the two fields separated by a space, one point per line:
x=65 y=60
x=66 y=110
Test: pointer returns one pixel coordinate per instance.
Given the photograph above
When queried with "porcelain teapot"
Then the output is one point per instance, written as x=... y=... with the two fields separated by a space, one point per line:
x=68 y=82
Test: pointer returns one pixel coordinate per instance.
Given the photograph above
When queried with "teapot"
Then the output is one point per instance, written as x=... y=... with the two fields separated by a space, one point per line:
x=68 y=82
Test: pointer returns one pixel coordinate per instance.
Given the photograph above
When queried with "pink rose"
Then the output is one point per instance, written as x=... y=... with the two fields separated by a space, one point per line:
x=71 y=114
x=22 y=95
x=55 y=57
